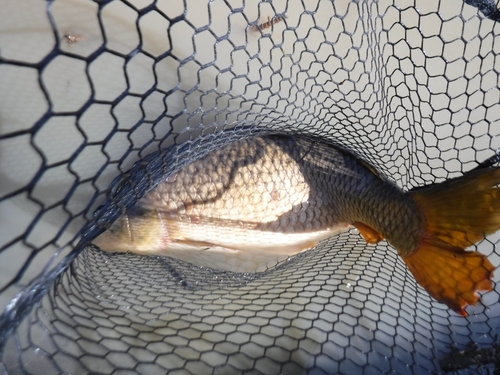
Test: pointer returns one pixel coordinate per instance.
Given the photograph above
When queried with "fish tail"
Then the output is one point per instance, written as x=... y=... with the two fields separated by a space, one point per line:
x=458 y=213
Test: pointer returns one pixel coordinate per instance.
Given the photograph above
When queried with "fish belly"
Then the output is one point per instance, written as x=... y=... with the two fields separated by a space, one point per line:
x=238 y=249
x=253 y=203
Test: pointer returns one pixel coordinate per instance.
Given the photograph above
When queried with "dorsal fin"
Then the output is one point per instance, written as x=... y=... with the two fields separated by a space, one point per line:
x=371 y=168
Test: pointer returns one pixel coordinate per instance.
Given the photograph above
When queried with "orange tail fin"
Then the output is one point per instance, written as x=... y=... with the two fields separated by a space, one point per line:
x=459 y=212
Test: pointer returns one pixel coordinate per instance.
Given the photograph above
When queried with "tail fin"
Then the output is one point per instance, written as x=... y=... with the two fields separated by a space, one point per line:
x=459 y=212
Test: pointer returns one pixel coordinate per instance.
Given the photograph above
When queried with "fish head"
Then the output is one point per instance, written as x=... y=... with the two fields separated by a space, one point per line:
x=134 y=233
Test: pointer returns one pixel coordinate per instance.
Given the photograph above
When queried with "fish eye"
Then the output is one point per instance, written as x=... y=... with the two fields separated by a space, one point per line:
x=137 y=210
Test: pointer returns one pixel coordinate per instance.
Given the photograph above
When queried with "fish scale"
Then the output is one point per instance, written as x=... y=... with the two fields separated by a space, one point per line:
x=263 y=199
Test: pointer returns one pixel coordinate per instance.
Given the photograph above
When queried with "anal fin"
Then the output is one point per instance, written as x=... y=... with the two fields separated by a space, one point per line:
x=369 y=234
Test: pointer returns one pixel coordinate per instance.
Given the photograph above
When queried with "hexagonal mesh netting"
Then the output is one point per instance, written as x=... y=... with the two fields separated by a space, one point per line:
x=88 y=88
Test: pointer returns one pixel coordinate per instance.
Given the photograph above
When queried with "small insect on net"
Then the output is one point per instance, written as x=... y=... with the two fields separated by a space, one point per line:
x=94 y=91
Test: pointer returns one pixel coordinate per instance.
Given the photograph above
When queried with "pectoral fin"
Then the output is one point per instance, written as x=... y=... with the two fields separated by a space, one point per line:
x=200 y=244
x=290 y=249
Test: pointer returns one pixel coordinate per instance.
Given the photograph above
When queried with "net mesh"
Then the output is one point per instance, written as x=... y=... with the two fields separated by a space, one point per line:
x=99 y=100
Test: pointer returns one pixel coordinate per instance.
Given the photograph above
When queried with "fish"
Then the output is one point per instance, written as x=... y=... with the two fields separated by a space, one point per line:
x=279 y=195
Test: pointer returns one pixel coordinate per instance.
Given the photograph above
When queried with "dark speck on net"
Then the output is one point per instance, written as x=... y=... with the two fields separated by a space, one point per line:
x=463 y=359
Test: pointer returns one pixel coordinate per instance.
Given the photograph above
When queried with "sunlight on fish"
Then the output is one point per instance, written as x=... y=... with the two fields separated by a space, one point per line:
x=255 y=202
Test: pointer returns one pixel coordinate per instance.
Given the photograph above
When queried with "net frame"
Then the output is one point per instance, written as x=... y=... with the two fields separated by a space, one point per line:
x=405 y=120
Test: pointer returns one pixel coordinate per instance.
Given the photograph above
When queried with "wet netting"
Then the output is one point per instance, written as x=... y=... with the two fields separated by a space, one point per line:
x=101 y=100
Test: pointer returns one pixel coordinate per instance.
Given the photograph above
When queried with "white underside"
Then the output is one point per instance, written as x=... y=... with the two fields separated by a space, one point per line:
x=229 y=249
